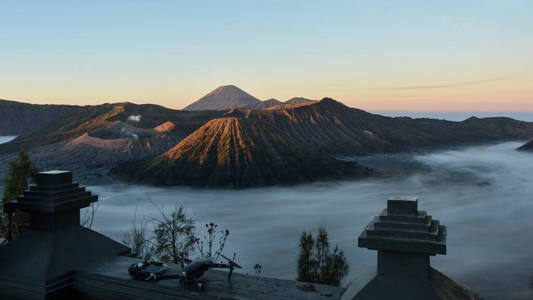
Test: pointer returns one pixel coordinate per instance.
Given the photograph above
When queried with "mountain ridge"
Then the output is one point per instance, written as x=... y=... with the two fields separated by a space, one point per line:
x=327 y=125
x=333 y=127
x=96 y=117
x=20 y=117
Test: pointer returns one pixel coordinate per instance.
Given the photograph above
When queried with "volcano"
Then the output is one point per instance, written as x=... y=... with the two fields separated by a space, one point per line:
x=237 y=152
x=223 y=98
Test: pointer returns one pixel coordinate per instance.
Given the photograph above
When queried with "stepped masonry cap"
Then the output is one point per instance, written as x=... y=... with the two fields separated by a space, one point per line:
x=402 y=206
x=401 y=227
x=53 y=178
x=54 y=193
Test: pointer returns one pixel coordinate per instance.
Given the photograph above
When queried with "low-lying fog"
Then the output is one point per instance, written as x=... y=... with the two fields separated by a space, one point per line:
x=483 y=194
x=6 y=138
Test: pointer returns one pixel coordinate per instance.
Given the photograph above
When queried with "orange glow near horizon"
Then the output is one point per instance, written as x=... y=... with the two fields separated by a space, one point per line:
x=493 y=96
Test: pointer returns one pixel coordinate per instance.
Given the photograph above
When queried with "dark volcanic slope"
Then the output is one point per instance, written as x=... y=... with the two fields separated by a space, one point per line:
x=527 y=146
x=91 y=118
x=330 y=126
x=17 y=118
x=234 y=152
x=298 y=100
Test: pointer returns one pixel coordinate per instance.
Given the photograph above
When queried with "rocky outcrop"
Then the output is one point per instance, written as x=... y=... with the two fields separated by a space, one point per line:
x=94 y=142
x=165 y=127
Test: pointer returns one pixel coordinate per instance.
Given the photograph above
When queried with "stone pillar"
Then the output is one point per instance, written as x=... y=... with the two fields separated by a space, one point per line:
x=55 y=202
x=41 y=263
x=404 y=238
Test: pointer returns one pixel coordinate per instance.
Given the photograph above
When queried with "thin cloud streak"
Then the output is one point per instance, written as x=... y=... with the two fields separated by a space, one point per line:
x=511 y=76
x=447 y=85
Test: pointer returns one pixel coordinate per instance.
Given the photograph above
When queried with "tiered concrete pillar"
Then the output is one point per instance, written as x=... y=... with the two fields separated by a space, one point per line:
x=41 y=263
x=405 y=238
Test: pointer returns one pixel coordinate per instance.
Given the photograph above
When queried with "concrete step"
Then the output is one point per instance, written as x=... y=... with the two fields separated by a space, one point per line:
x=419 y=218
x=406 y=225
x=54 y=188
x=60 y=199
x=404 y=233
x=401 y=244
x=50 y=194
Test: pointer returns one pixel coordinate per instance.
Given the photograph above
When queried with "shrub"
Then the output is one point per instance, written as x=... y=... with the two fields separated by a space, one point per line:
x=316 y=263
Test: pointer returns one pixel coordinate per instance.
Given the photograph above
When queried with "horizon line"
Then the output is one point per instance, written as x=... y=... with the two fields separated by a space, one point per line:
x=366 y=109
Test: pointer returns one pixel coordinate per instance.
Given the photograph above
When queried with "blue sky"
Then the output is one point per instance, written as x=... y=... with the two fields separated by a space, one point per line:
x=378 y=55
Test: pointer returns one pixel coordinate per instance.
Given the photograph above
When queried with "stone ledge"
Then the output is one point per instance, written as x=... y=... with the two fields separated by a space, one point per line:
x=432 y=235
x=110 y=279
x=406 y=225
x=402 y=244
x=420 y=217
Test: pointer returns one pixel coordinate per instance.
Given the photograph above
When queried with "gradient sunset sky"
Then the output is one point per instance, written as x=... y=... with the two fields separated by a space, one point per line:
x=374 y=55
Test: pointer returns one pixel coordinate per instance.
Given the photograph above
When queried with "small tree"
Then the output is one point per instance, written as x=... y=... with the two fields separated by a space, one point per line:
x=174 y=237
x=306 y=267
x=16 y=182
x=316 y=263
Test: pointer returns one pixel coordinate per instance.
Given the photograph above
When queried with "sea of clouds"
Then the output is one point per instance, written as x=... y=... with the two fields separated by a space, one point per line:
x=483 y=194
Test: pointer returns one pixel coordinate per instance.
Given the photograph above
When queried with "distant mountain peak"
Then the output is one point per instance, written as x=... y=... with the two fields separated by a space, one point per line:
x=228 y=89
x=224 y=97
